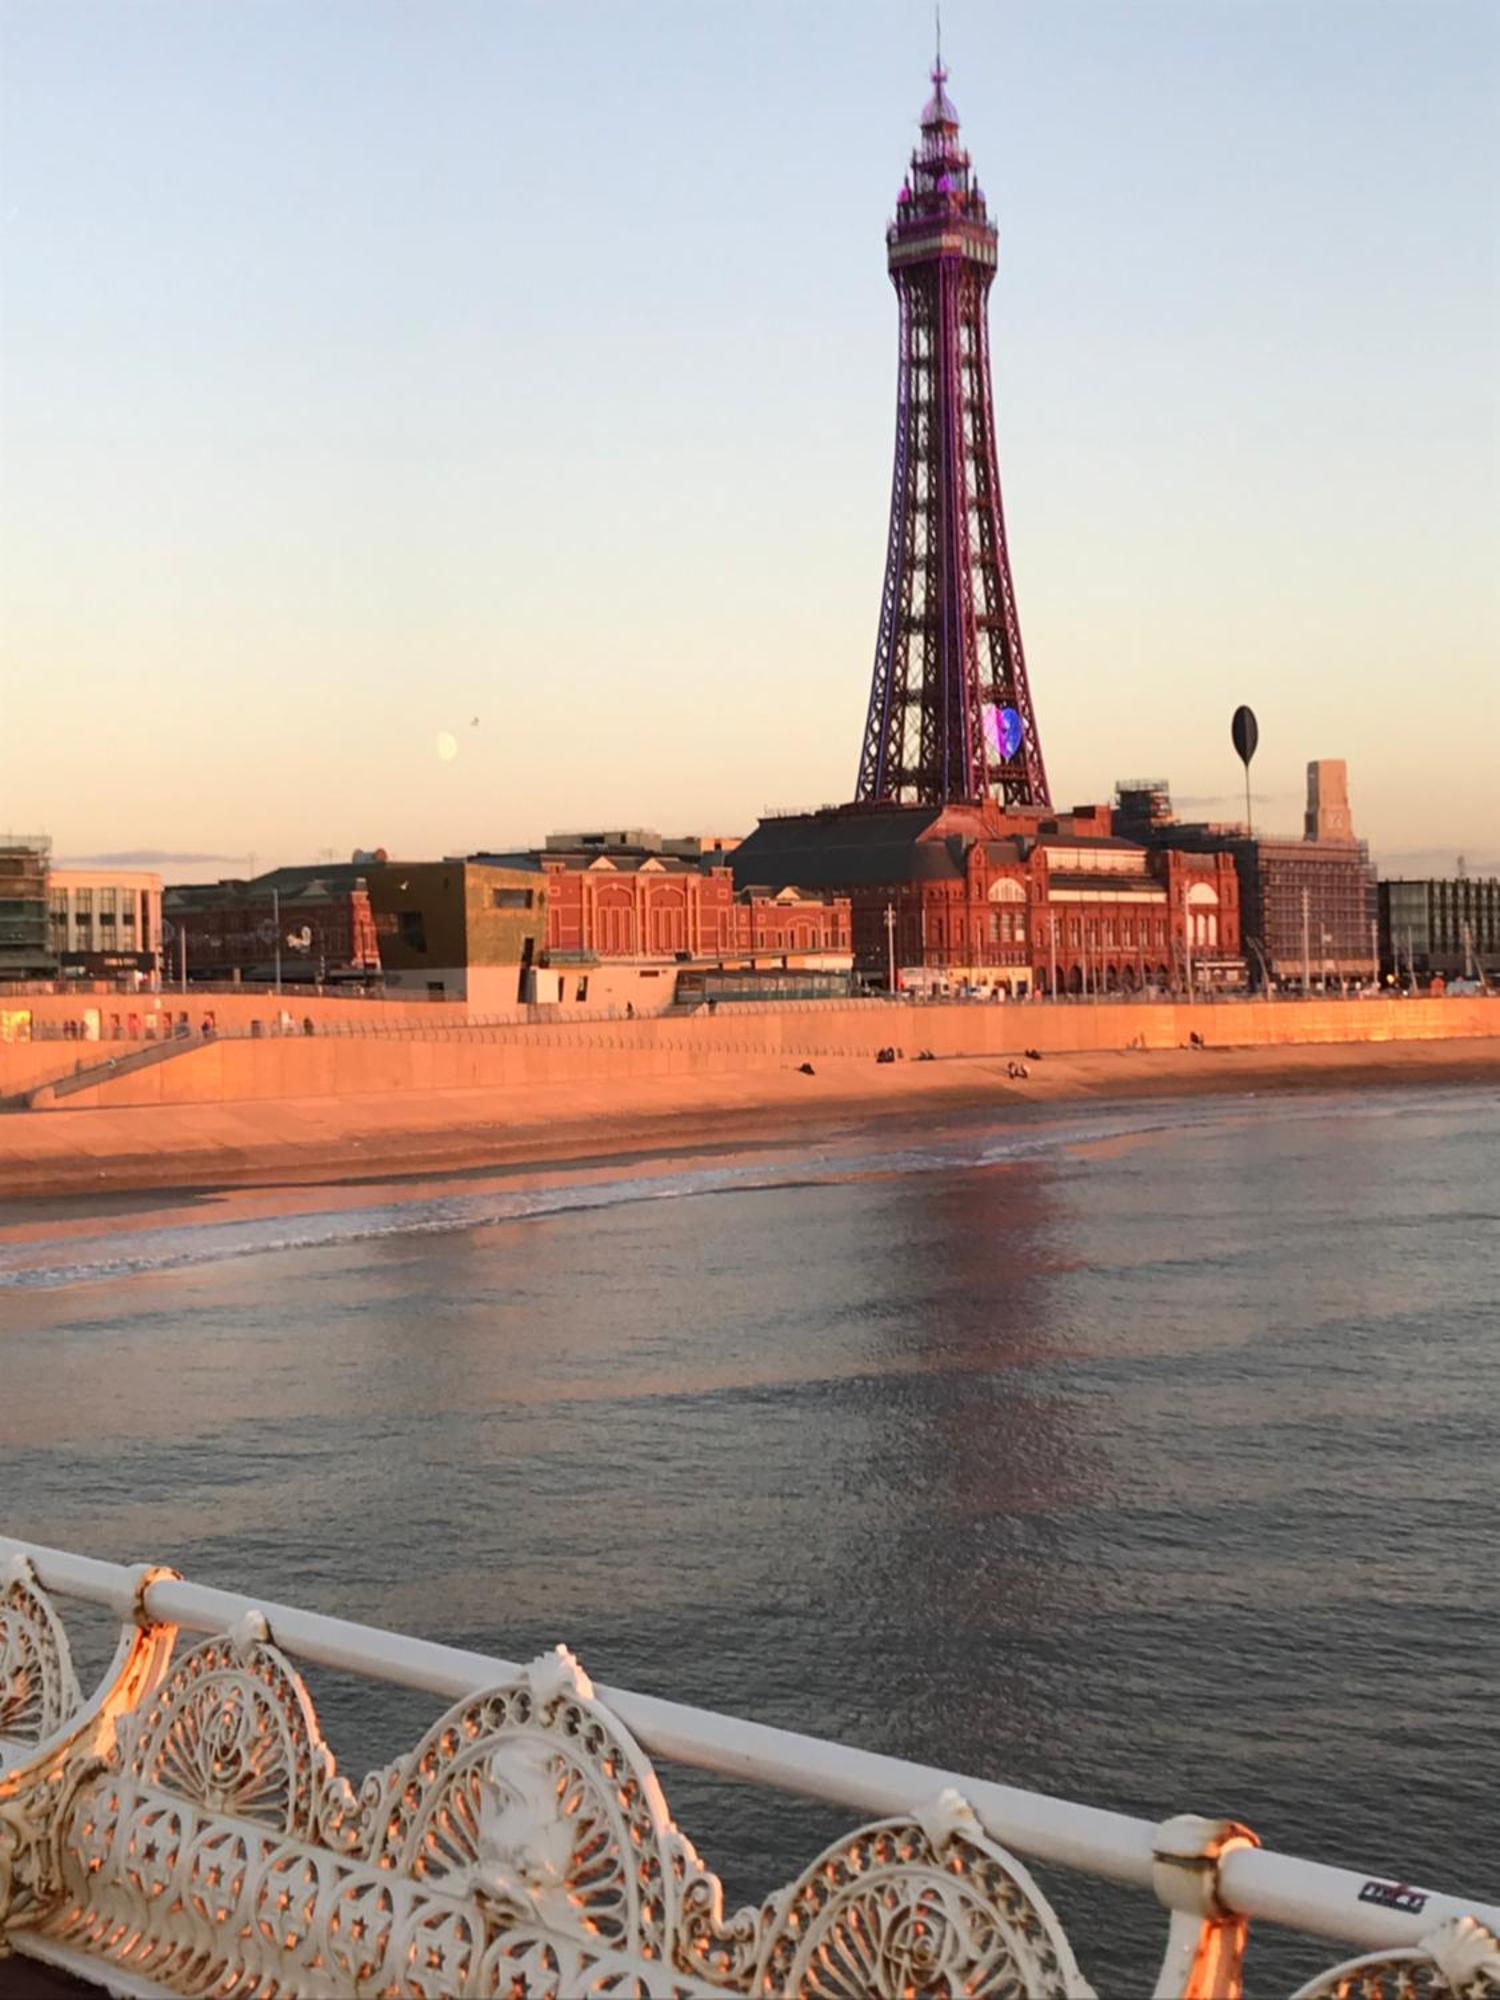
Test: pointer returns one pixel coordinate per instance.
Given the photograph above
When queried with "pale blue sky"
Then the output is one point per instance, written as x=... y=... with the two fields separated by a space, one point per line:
x=370 y=368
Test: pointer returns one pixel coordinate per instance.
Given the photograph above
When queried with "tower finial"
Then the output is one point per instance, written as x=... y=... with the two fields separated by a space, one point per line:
x=937 y=13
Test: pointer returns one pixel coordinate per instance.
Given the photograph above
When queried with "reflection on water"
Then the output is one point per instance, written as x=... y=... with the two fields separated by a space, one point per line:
x=1158 y=1473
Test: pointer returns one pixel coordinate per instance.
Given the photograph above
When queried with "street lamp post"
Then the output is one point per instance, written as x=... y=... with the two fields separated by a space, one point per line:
x=1187 y=942
x=276 y=926
x=1306 y=950
x=890 y=946
x=1265 y=969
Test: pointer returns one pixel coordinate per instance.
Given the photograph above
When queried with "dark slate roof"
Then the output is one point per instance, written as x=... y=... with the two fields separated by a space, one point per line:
x=292 y=885
x=341 y=874
x=526 y=863
x=1086 y=840
x=839 y=850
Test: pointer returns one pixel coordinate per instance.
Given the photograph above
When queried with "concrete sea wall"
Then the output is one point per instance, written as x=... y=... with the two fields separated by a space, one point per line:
x=426 y=1055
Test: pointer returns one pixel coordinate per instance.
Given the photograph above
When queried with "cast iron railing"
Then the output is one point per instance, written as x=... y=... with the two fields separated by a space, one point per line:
x=185 y=1830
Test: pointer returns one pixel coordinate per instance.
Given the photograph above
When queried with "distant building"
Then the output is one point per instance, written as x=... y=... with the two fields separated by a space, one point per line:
x=686 y=846
x=1011 y=902
x=1310 y=911
x=105 y=922
x=1327 y=817
x=460 y=929
x=25 y=935
x=599 y=920
x=627 y=912
x=315 y=920
x=1307 y=907
x=1443 y=925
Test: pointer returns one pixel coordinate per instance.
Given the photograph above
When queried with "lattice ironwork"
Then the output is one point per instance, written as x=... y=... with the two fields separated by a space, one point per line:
x=950 y=714
x=187 y=1831
x=38 y=1690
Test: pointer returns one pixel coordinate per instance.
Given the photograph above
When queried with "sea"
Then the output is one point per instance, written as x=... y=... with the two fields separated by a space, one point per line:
x=1141 y=1453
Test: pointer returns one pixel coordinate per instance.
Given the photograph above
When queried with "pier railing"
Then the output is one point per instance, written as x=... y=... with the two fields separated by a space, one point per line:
x=185 y=1830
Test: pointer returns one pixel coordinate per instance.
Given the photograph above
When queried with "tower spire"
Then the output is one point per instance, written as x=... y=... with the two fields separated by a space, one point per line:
x=950 y=714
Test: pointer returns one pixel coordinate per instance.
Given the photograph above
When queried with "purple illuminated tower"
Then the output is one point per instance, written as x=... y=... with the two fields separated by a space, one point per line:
x=950 y=712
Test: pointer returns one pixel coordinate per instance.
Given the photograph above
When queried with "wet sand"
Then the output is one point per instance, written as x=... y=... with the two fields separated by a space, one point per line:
x=143 y=1157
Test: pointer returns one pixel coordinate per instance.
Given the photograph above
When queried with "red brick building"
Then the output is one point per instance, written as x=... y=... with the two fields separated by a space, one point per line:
x=634 y=904
x=973 y=897
x=229 y=930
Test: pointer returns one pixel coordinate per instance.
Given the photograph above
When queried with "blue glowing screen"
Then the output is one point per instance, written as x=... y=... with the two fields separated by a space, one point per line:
x=1003 y=726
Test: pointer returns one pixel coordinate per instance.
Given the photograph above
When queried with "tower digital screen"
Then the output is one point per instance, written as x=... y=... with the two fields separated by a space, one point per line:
x=1004 y=730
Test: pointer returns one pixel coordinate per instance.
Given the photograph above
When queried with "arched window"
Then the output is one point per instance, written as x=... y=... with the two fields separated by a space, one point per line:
x=1203 y=916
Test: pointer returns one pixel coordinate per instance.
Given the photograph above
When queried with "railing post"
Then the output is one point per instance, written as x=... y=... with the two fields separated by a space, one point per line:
x=1205 y=1954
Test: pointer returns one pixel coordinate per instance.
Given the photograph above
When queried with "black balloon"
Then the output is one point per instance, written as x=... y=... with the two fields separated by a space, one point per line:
x=1246 y=733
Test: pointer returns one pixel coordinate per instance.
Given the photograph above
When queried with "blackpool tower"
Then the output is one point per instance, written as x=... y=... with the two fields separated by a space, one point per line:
x=950 y=712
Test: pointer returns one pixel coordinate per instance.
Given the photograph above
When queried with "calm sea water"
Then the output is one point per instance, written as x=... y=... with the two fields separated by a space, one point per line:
x=1147 y=1454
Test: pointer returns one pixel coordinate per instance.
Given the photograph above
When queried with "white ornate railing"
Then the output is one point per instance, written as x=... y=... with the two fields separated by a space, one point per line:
x=185 y=1830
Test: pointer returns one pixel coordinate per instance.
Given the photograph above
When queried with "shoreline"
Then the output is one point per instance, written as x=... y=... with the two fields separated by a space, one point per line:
x=191 y=1151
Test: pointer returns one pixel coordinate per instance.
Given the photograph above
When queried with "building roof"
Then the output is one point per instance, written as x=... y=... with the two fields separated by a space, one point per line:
x=524 y=863
x=302 y=887
x=1116 y=840
x=343 y=873
x=841 y=848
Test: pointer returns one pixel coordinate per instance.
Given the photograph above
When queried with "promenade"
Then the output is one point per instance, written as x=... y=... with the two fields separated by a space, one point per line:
x=431 y=1095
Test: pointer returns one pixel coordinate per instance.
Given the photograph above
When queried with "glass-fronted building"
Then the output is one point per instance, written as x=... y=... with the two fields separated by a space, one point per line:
x=1448 y=925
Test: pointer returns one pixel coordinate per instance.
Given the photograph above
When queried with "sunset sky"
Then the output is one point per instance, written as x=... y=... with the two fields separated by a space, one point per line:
x=431 y=425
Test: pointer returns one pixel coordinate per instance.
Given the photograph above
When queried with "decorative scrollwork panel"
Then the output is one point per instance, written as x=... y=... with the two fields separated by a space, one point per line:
x=1459 y=1960
x=910 y=1906
x=232 y=1729
x=535 y=1800
x=38 y=1688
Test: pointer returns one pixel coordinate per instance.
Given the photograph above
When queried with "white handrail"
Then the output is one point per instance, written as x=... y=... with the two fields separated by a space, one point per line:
x=1254 y=1882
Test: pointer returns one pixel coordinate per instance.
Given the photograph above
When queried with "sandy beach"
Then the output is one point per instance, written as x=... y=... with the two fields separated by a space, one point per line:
x=307 y=1143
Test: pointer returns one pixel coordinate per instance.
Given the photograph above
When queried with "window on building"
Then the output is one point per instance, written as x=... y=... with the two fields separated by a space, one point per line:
x=511 y=899
x=411 y=928
x=83 y=904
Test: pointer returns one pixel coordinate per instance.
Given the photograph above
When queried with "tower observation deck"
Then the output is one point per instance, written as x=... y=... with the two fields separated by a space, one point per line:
x=950 y=713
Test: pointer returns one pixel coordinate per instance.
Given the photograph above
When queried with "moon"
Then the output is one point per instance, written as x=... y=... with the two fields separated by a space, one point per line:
x=447 y=746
